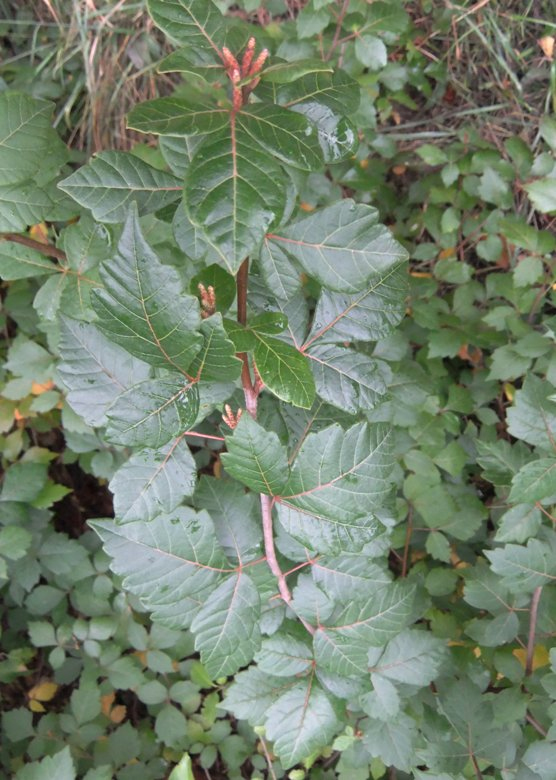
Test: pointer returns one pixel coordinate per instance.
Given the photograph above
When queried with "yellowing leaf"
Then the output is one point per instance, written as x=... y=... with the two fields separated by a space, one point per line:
x=44 y=691
x=36 y=706
x=37 y=388
x=118 y=713
x=39 y=233
x=106 y=702
x=540 y=656
x=547 y=45
x=449 y=252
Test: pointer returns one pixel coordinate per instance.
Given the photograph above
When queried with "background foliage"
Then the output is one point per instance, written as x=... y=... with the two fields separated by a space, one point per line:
x=457 y=141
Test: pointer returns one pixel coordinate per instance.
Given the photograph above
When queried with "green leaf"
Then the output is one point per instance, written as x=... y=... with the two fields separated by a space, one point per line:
x=57 y=767
x=324 y=534
x=302 y=720
x=141 y=307
x=85 y=703
x=338 y=91
x=223 y=283
x=524 y=568
x=371 y=51
x=256 y=458
x=111 y=181
x=539 y=758
x=23 y=481
x=367 y=316
x=342 y=246
x=343 y=575
x=94 y=370
x=534 y=482
x=227 y=626
x=533 y=415
x=171 y=564
x=152 y=413
x=337 y=135
x=341 y=474
x=235 y=193
x=216 y=358
x=25 y=136
x=21 y=205
x=392 y=741
x=287 y=135
x=178 y=116
x=153 y=481
x=21 y=262
x=284 y=656
x=285 y=371
x=413 y=658
x=286 y=72
x=542 y=194
x=235 y=514
x=15 y=541
x=183 y=770
x=344 y=646
x=196 y=23
x=253 y=692
x=518 y=524
x=347 y=379
x=279 y=273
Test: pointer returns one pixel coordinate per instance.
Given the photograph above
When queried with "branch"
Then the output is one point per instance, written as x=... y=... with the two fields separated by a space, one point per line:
x=268 y=534
x=532 y=630
x=45 y=249
x=408 y=533
x=249 y=391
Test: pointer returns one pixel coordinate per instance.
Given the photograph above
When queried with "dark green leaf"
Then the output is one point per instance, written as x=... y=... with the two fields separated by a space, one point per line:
x=141 y=307
x=347 y=379
x=256 y=458
x=113 y=180
x=216 y=359
x=170 y=564
x=153 y=481
x=94 y=370
x=235 y=193
x=300 y=721
x=342 y=246
x=285 y=371
x=152 y=413
x=227 y=626
x=178 y=116
x=287 y=135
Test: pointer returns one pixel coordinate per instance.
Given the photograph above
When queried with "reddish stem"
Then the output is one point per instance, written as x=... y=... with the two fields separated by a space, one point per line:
x=270 y=551
x=532 y=630
x=44 y=249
